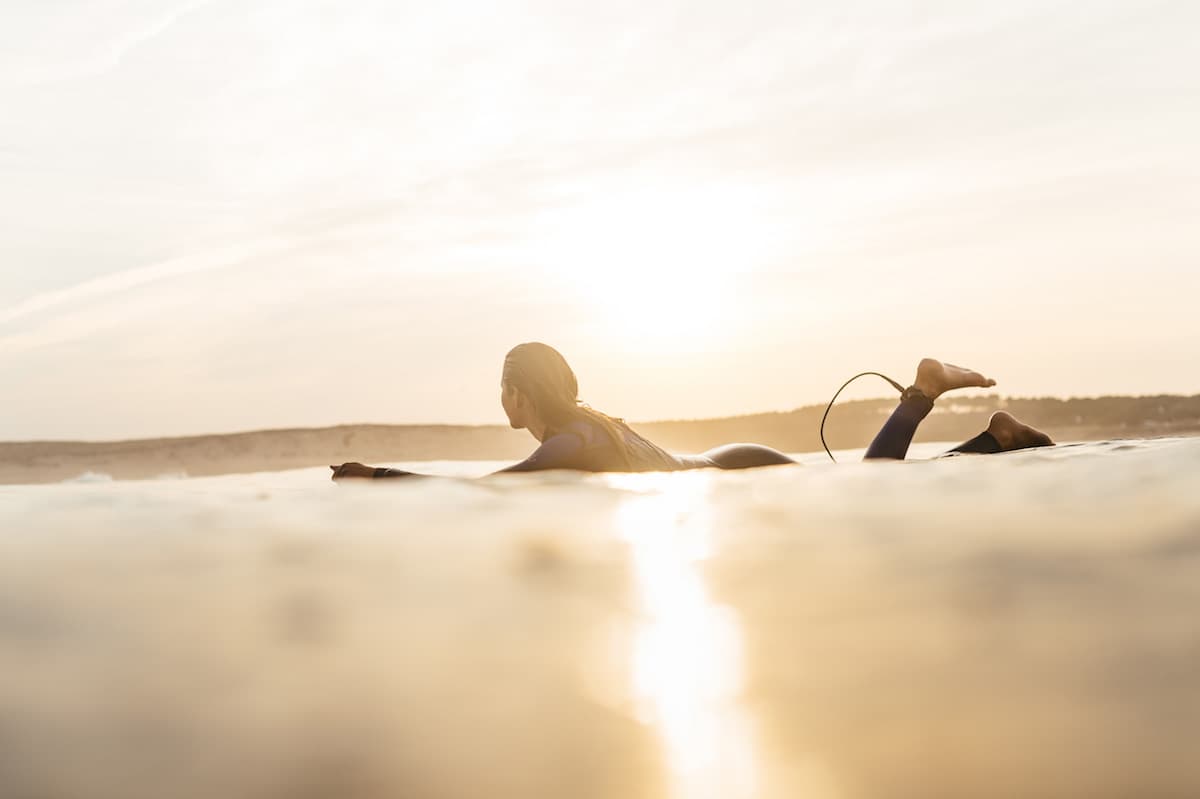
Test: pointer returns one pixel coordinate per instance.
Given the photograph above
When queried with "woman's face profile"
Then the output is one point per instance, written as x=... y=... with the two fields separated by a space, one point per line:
x=509 y=400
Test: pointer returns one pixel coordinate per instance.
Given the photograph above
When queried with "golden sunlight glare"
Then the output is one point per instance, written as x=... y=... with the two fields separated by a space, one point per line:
x=687 y=650
x=658 y=264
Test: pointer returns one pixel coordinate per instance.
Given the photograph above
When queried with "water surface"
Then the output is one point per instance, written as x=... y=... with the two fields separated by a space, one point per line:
x=1014 y=625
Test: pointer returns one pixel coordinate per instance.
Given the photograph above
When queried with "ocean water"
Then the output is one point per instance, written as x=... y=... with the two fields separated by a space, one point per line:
x=1019 y=625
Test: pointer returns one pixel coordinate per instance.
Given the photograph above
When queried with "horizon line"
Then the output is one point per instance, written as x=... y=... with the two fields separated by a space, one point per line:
x=694 y=420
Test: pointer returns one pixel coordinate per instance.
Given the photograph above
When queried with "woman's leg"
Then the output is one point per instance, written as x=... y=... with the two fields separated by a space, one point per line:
x=934 y=378
x=1004 y=434
x=893 y=438
x=745 y=456
x=983 y=444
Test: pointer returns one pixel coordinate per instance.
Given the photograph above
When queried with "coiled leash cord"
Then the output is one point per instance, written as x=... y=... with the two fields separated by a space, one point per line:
x=829 y=407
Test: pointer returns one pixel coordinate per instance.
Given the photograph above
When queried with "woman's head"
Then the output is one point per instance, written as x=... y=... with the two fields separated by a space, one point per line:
x=538 y=389
x=537 y=382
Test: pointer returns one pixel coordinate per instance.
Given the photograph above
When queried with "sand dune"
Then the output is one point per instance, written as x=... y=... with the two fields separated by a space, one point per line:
x=262 y=451
x=851 y=424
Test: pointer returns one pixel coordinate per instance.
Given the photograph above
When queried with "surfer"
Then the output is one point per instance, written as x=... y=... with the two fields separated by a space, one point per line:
x=539 y=393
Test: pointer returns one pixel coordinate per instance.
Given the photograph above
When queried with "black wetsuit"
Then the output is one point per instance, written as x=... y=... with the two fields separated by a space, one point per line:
x=892 y=440
x=584 y=448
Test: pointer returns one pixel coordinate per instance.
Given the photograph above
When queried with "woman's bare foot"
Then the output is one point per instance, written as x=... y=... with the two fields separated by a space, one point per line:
x=934 y=378
x=1011 y=434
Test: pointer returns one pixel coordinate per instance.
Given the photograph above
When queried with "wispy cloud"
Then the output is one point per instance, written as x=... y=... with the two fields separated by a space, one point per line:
x=134 y=278
x=47 y=58
x=399 y=175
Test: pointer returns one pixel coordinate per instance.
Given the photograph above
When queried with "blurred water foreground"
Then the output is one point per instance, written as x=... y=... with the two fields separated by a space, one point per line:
x=1021 y=625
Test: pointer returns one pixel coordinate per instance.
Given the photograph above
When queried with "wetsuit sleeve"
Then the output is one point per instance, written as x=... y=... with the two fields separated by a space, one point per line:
x=383 y=473
x=561 y=451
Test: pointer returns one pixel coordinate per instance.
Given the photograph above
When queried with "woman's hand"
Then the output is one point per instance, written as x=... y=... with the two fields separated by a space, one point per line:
x=349 y=470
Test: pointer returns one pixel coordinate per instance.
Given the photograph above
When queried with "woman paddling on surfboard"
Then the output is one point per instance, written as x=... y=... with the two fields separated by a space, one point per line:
x=540 y=394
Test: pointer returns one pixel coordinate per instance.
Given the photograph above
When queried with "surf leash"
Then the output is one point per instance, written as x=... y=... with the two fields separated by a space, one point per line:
x=829 y=407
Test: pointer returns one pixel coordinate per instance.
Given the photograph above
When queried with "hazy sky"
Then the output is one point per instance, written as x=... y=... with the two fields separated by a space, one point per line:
x=240 y=214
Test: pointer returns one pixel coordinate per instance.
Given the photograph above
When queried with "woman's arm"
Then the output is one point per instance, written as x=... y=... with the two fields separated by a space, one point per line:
x=561 y=451
x=359 y=470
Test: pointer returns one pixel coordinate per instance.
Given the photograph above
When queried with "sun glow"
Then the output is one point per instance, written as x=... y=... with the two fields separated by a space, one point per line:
x=659 y=265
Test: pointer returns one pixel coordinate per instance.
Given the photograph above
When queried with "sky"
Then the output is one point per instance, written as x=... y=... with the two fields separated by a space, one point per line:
x=221 y=215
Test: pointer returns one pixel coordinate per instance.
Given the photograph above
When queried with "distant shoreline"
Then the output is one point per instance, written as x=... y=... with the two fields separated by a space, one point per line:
x=851 y=424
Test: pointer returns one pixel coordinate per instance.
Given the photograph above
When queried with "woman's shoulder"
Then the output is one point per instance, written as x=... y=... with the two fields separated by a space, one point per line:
x=586 y=431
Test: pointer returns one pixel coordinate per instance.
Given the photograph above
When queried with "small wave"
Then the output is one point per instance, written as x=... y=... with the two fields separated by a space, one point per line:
x=90 y=477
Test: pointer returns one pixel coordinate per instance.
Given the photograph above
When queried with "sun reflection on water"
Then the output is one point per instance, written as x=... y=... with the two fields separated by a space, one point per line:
x=686 y=656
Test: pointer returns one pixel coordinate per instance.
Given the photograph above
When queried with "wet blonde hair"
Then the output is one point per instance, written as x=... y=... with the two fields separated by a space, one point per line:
x=543 y=375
